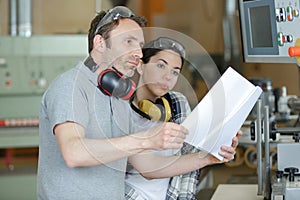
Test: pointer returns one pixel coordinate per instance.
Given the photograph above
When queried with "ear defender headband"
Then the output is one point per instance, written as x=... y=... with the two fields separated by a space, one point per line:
x=112 y=83
x=159 y=110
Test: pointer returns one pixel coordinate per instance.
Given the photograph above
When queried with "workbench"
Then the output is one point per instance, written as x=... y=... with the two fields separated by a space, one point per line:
x=236 y=192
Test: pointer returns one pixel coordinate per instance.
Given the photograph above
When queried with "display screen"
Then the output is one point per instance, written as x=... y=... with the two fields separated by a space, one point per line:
x=260 y=22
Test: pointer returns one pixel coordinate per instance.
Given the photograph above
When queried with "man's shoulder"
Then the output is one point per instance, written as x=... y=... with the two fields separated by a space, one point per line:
x=68 y=74
x=62 y=82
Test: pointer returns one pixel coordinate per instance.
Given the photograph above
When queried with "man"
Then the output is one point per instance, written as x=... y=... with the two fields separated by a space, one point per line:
x=83 y=146
x=85 y=124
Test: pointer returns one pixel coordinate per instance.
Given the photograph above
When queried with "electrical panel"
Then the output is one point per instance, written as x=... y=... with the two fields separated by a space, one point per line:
x=29 y=64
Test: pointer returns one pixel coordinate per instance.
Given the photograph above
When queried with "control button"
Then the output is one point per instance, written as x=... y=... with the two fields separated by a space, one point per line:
x=33 y=82
x=289 y=38
x=42 y=82
x=280 y=14
x=281 y=39
x=8 y=83
x=2 y=62
x=277 y=11
x=296 y=13
x=294 y=51
x=289 y=13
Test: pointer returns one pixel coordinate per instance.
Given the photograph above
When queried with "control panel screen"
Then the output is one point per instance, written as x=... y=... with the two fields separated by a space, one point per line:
x=261 y=26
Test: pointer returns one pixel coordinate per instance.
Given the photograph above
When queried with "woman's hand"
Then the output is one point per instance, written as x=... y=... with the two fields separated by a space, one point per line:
x=227 y=152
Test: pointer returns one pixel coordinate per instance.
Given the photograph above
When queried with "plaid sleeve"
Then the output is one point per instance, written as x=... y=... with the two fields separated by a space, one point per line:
x=131 y=194
x=183 y=186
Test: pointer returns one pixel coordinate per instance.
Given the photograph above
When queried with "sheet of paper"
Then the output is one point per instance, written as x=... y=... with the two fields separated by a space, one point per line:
x=221 y=113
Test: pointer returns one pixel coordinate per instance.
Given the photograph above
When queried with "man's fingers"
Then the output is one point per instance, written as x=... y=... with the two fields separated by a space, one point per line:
x=176 y=134
x=175 y=128
x=174 y=145
x=176 y=140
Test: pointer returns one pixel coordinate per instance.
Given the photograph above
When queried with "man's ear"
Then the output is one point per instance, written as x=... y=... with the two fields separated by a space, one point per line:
x=99 y=43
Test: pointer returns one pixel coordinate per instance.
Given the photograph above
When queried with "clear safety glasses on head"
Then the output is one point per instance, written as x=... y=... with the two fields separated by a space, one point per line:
x=113 y=15
x=166 y=43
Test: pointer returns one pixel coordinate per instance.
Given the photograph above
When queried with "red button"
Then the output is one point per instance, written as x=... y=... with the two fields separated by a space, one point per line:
x=8 y=83
x=294 y=51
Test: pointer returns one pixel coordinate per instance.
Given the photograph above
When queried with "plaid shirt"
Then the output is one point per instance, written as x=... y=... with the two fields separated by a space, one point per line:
x=182 y=186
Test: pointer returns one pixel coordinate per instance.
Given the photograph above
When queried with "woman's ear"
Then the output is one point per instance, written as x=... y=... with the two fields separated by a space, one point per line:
x=99 y=43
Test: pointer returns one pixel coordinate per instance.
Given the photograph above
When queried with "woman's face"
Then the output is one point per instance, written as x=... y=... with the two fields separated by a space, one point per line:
x=161 y=73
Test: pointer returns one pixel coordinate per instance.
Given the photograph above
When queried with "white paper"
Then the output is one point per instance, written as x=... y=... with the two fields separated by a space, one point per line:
x=221 y=113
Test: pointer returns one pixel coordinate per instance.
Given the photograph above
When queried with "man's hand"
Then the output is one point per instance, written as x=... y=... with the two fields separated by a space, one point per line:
x=165 y=136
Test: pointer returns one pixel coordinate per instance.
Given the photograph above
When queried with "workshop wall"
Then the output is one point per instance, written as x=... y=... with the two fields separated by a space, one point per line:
x=200 y=19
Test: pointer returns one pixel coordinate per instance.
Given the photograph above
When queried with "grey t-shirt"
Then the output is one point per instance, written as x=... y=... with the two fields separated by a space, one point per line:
x=74 y=97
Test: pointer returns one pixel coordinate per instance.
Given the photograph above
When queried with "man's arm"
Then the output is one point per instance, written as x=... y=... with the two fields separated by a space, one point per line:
x=152 y=166
x=80 y=151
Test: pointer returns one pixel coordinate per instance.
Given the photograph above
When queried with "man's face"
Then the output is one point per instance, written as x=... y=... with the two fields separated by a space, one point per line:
x=125 y=50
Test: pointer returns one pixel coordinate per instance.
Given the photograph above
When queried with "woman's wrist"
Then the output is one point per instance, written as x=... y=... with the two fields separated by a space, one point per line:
x=206 y=158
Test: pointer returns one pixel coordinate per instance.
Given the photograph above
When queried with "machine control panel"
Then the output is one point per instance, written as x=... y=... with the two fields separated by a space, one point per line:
x=27 y=66
x=269 y=28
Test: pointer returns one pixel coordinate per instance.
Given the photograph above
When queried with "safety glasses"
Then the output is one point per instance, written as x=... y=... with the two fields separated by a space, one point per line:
x=113 y=15
x=166 y=43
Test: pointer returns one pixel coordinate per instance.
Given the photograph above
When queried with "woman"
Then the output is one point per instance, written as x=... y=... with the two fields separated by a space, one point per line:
x=153 y=103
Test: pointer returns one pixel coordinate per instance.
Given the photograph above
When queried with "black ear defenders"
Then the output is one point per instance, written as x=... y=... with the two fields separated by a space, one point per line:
x=112 y=82
x=156 y=111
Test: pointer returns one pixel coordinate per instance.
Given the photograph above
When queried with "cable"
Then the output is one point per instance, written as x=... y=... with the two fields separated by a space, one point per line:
x=250 y=157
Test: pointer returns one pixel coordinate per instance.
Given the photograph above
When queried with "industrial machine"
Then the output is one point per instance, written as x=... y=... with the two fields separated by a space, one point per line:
x=283 y=183
x=286 y=183
x=27 y=67
x=28 y=64
x=270 y=34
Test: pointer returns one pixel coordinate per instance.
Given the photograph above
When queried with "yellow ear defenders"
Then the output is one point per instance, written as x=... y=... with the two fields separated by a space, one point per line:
x=159 y=110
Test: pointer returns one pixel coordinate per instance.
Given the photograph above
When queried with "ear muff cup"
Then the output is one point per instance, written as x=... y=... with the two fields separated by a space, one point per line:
x=112 y=83
x=160 y=110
